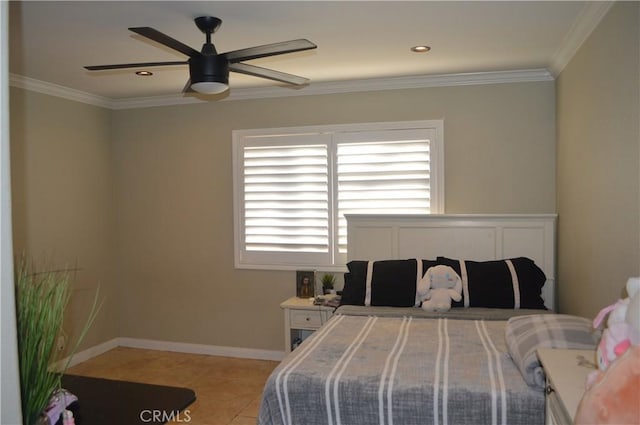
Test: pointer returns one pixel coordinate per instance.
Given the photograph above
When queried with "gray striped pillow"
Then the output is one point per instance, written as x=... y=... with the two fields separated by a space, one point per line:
x=525 y=334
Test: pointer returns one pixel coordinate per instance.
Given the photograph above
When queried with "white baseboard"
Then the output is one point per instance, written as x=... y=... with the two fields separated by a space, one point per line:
x=84 y=355
x=212 y=350
x=178 y=347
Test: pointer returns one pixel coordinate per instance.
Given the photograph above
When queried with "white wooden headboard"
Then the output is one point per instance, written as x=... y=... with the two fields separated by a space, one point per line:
x=462 y=236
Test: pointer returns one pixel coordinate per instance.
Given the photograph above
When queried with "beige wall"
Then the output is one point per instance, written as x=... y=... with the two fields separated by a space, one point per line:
x=62 y=200
x=141 y=199
x=173 y=180
x=598 y=165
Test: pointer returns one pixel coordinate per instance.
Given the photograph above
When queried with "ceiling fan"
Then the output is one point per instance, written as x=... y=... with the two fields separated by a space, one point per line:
x=208 y=70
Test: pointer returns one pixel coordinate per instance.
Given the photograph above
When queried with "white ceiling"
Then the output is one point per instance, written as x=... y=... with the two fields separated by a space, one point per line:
x=51 y=41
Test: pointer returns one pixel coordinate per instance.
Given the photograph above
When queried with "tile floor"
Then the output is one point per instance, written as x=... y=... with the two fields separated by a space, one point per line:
x=227 y=389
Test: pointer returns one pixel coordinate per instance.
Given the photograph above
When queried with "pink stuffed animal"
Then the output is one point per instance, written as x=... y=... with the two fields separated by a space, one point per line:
x=623 y=325
x=613 y=390
x=614 y=396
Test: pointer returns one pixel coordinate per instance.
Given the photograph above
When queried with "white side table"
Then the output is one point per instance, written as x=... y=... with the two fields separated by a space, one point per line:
x=566 y=372
x=301 y=319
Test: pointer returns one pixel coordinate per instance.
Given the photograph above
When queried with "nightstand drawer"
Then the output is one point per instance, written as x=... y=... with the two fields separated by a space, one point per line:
x=567 y=372
x=304 y=319
x=556 y=412
x=301 y=319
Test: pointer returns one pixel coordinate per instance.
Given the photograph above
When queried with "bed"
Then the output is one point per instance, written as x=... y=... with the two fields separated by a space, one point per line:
x=383 y=360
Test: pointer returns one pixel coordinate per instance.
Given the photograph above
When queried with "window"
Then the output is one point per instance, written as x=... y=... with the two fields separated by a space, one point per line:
x=293 y=187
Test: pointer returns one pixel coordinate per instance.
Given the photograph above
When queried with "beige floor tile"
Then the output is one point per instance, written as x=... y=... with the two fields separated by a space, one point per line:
x=227 y=389
x=244 y=420
x=252 y=408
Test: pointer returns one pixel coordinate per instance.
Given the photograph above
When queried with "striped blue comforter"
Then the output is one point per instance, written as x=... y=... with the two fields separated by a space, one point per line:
x=404 y=370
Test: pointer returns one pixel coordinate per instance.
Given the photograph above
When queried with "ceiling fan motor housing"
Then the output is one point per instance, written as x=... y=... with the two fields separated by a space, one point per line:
x=205 y=68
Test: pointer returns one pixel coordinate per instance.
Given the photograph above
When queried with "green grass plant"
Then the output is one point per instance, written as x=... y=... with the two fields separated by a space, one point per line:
x=41 y=299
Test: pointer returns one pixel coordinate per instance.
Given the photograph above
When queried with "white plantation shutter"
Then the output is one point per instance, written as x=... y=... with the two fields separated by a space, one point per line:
x=285 y=210
x=292 y=187
x=286 y=198
x=382 y=172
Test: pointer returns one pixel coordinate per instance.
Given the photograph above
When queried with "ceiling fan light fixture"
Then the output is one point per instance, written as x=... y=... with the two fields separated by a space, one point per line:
x=209 y=87
x=209 y=74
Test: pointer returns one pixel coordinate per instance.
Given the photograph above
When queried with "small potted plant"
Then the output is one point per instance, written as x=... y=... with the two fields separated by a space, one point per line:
x=328 y=282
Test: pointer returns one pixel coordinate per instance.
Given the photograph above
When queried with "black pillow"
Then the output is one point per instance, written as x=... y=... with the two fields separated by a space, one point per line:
x=354 y=288
x=393 y=283
x=426 y=264
x=492 y=284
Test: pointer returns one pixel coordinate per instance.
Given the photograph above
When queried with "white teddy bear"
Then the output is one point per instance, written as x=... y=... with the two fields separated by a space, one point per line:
x=438 y=287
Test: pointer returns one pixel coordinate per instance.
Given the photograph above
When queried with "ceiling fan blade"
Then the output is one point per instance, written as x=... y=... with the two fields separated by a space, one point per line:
x=133 y=65
x=164 y=39
x=271 y=74
x=269 y=50
x=187 y=87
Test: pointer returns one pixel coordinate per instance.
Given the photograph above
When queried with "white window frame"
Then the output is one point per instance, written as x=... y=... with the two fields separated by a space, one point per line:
x=337 y=261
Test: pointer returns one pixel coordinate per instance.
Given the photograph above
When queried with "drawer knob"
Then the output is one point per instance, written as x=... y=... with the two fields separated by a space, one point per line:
x=307 y=319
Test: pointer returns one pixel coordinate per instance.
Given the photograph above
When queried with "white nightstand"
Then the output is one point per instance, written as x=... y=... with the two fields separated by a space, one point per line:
x=301 y=319
x=566 y=372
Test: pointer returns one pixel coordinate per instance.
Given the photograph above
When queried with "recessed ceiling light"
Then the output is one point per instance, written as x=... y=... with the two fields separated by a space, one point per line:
x=144 y=73
x=420 y=49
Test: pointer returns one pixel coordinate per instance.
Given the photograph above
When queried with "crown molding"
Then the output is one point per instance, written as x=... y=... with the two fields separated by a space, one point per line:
x=400 y=83
x=585 y=23
x=59 y=91
x=319 y=88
